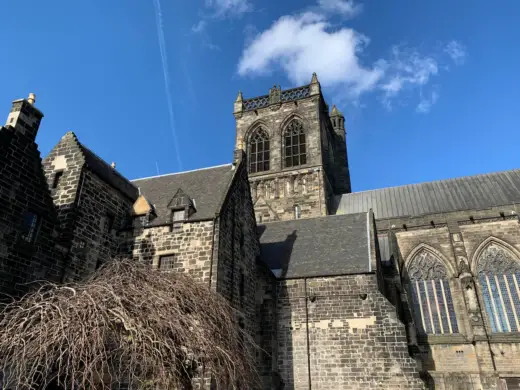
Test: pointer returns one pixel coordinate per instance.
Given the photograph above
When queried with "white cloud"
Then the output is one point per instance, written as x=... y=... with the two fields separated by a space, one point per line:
x=199 y=27
x=304 y=44
x=426 y=103
x=229 y=7
x=456 y=51
x=347 y=8
x=407 y=68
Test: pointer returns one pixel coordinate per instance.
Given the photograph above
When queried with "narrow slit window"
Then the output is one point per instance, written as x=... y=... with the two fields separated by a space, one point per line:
x=57 y=179
x=29 y=226
x=297 y=212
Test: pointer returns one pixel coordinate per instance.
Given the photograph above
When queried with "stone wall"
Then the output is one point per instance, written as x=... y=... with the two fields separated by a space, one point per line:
x=238 y=249
x=266 y=324
x=90 y=210
x=275 y=197
x=101 y=212
x=189 y=243
x=23 y=189
x=341 y=333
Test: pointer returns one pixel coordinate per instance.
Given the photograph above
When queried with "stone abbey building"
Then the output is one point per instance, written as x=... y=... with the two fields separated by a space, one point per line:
x=407 y=287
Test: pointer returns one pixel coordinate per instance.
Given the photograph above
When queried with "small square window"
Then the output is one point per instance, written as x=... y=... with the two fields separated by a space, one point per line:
x=29 y=226
x=140 y=221
x=179 y=215
x=57 y=179
x=166 y=262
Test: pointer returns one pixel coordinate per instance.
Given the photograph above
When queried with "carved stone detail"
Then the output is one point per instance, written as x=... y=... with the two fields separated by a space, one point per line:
x=463 y=265
x=496 y=260
x=426 y=266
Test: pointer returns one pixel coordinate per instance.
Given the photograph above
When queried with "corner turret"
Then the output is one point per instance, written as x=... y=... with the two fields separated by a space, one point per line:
x=338 y=120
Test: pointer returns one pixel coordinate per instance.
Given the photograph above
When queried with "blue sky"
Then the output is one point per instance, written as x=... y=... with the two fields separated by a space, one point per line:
x=430 y=89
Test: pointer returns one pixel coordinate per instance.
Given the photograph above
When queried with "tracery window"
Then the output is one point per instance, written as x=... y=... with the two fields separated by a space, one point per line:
x=432 y=303
x=499 y=276
x=259 y=151
x=295 y=149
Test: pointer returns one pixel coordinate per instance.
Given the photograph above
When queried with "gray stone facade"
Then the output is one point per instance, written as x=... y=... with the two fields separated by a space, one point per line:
x=28 y=221
x=286 y=191
x=91 y=206
x=415 y=286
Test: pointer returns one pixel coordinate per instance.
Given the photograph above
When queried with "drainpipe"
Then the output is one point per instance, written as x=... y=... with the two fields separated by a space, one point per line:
x=319 y=190
x=307 y=331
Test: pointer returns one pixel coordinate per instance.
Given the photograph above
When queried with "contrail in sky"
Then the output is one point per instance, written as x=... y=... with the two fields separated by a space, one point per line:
x=164 y=59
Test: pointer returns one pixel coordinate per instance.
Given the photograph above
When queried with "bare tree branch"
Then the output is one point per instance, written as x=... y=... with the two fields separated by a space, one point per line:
x=128 y=323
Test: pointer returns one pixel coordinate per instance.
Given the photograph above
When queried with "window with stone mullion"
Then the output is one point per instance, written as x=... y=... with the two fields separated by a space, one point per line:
x=499 y=278
x=431 y=299
x=295 y=151
x=259 y=152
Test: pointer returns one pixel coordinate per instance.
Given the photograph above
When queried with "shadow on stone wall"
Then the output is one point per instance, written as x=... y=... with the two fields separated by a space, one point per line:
x=279 y=347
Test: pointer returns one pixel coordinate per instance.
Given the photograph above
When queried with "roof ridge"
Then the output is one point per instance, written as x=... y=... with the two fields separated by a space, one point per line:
x=312 y=218
x=434 y=181
x=113 y=170
x=180 y=173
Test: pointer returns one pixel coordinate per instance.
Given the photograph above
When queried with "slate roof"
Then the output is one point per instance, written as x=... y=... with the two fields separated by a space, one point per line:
x=464 y=193
x=206 y=187
x=108 y=174
x=324 y=246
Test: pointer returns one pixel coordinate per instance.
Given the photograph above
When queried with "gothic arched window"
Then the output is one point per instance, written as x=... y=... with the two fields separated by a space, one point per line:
x=432 y=303
x=295 y=150
x=259 y=151
x=499 y=275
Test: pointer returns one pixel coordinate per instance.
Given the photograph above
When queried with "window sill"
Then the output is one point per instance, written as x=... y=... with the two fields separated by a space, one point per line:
x=283 y=170
x=454 y=338
x=504 y=337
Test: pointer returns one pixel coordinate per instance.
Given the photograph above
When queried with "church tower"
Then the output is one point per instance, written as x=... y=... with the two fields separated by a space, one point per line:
x=295 y=150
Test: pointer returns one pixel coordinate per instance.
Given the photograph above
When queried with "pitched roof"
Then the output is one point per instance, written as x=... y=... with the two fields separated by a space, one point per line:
x=331 y=245
x=108 y=174
x=464 y=193
x=206 y=187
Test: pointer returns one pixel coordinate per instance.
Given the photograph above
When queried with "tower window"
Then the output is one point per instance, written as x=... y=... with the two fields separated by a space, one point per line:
x=259 y=151
x=297 y=212
x=57 y=179
x=295 y=150
x=29 y=226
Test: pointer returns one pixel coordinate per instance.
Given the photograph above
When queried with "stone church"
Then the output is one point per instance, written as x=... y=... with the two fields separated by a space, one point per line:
x=407 y=287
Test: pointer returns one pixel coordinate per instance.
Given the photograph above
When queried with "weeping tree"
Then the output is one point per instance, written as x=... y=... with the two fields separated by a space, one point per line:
x=128 y=324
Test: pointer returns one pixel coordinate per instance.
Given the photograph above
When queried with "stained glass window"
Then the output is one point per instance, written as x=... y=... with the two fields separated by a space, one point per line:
x=295 y=149
x=499 y=277
x=431 y=299
x=259 y=153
